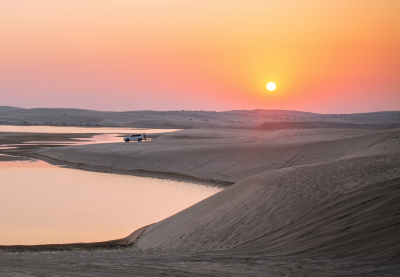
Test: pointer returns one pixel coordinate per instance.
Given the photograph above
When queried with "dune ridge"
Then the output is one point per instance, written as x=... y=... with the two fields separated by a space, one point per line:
x=223 y=155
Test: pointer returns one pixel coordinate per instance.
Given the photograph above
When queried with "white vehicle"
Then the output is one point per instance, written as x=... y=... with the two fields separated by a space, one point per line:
x=138 y=137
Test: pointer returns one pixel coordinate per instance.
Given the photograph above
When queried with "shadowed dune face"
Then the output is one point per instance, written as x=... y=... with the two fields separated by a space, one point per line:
x=341 y=209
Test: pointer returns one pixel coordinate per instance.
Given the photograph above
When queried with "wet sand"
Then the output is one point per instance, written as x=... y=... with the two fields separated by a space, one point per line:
x=320 y=200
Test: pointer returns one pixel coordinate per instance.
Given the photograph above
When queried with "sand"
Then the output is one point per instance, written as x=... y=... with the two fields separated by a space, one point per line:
x=184 y=119
x=221 y=155
x=306 y=199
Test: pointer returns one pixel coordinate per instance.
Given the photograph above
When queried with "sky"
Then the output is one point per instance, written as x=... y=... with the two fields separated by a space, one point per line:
x=339 y=56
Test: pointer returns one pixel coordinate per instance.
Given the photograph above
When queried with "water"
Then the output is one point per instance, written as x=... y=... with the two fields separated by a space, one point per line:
x=45 y=204
x=100 y=134
x=79 y=130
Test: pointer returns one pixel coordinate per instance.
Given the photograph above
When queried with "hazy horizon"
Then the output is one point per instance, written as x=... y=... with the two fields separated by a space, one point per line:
x=187 y=110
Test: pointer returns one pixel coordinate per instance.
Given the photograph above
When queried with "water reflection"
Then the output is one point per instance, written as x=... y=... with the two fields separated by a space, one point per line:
x=79 y=130
x=100 y=135
x=43 y=204
x=103 y=138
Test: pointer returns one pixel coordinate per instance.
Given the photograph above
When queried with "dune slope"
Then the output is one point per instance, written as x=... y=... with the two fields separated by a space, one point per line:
x=223 y=155
x=347 y=208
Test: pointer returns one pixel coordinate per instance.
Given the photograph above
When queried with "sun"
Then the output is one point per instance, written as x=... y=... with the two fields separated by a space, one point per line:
x=271 y=86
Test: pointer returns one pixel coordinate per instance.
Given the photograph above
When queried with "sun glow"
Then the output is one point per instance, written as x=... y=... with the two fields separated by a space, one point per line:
x=271 y=86
x=219 y=50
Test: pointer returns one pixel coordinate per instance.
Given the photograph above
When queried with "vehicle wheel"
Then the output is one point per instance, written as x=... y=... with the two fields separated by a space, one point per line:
x=139 y=140
x=127 y=140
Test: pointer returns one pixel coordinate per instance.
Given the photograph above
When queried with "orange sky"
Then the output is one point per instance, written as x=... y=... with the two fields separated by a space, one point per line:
x=325 y=56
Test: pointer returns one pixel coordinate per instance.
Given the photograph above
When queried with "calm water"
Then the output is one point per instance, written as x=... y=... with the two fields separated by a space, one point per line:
x=44 y=204
x=79 y=130
x=100 y=134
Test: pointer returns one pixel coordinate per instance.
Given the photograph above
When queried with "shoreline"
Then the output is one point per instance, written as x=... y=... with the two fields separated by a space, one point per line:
x=128 y=241
x=28 y=151
x=139 y=173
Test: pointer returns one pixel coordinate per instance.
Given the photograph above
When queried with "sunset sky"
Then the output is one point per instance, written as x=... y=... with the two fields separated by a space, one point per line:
x=339 y=56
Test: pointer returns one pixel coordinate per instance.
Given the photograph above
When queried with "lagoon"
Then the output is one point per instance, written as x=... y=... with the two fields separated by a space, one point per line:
x=46 y=204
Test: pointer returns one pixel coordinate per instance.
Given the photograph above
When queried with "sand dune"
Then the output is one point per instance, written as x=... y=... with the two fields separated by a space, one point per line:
x=308 y=199
x=341 y=209
x=222 y=155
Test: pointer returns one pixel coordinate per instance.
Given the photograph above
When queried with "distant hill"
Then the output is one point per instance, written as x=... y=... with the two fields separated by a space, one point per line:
x=271 y=112
x=9 y=109
x=187 y=119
